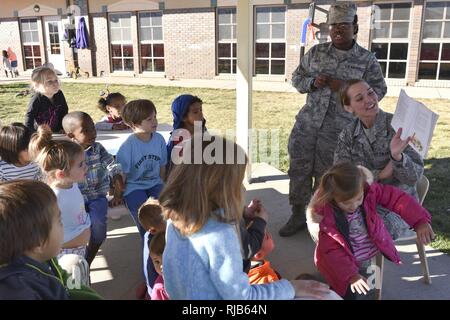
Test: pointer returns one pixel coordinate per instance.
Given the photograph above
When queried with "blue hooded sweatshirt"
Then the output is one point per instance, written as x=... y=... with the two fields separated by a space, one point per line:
x=28 y=279
x=180 y=108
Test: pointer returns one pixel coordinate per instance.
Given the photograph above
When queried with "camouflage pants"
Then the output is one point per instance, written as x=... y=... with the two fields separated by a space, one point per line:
x=311 y=153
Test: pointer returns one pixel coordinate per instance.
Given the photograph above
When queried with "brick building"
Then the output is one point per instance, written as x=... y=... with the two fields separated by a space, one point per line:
x=197 y=38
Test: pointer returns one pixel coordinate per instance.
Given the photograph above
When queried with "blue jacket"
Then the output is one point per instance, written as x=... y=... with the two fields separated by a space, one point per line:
x=28 y=279
x=207 y=265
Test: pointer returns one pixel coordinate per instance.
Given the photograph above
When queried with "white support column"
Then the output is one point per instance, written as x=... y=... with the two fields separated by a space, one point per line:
x=244 y=74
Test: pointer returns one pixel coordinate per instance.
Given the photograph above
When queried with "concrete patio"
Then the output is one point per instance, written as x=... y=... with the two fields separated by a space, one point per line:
x=116 y=271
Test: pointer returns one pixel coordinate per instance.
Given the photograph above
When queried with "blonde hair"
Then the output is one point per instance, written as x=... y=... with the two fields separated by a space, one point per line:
x=345 y=99
x=39 y=75
x=51 y=154
x=194 y=190
x=341 y=182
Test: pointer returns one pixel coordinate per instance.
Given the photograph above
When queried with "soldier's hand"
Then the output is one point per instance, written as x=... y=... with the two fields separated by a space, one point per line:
x=398 y=145
x=335 y=84
x=321 y=81
x=387 y=171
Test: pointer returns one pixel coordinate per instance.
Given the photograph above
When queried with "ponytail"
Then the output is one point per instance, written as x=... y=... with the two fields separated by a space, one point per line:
x=341 y=182
x=107 y=100
x=51 y=154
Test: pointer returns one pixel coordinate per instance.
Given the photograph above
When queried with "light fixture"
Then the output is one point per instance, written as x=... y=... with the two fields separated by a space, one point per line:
x=36 y=8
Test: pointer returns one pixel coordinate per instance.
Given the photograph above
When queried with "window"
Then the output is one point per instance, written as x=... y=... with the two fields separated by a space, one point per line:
x=121 y=43
x=53 y=32
x=151 y=41
x=31 y=46
x=226 y=44
x=270 y=47
x=390 y=38
x=435 y=49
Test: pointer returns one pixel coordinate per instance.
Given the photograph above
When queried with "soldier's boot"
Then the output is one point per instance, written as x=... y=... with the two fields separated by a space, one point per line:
x=296 y=222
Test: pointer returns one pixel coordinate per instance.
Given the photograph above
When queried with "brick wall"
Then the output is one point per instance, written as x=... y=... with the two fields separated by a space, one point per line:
x=189 y=43
x=100 y=45
x=364 y=23
x=296 y=14
x=414 y=50
x=10 y=37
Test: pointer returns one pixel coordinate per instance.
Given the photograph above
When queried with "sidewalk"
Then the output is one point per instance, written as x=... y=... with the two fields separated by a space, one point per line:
x=258 y=85
x=117 y=269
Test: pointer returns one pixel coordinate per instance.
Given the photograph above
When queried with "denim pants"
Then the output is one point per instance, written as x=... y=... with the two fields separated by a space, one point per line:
x=133 y=201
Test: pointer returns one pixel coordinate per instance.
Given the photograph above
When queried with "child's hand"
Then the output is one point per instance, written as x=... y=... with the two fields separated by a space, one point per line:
x=425 y=233
x=359 y=284
x=115 y=201
x=387 y=172
x=252 y=208
x=262 y=213
x=119 y=126
x=310 y=288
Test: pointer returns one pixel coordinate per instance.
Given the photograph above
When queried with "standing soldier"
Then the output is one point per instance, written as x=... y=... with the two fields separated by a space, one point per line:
x=321 y=73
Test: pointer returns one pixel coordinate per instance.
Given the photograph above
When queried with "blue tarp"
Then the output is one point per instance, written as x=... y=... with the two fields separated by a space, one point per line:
x=82 y=41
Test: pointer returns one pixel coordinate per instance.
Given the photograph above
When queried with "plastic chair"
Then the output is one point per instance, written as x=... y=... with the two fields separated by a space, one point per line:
x=422 y=189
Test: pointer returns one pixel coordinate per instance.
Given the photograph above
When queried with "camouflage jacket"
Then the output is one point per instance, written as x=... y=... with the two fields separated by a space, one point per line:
x=374 y=152
x=356 y=63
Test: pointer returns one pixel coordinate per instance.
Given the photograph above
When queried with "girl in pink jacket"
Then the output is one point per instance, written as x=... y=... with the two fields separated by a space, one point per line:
x=350 y=230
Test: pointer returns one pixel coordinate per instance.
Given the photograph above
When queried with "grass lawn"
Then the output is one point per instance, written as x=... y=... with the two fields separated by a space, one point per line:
x=271 y=111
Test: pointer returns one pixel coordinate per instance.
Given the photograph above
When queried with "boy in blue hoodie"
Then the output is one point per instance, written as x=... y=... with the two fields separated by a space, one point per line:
x=187 y=113
x=32 y=235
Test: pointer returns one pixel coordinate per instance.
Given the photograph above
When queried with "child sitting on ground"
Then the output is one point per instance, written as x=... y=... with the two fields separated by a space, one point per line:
x=101 y=166
x=48 y=104
x=351 y=231
x=112 y=104
x=15 y=163
x=32 y=235
x=261 y=271
x=151 y=219
x=187 y=113
x=64 y=165
x=156 y=253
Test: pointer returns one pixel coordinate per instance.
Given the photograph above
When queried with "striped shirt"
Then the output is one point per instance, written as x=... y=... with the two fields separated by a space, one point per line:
x=10 y=172
x=363 y=247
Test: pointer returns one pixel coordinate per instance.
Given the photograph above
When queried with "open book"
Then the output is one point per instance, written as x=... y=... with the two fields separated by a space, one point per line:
x=416 y=120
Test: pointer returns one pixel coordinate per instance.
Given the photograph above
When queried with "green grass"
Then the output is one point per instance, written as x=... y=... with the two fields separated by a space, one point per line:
x=270 y=111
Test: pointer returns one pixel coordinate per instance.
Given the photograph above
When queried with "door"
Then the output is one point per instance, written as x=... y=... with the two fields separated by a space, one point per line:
x=55 y=51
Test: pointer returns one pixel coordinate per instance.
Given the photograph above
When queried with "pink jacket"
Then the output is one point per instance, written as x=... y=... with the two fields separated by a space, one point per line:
x=333 y=256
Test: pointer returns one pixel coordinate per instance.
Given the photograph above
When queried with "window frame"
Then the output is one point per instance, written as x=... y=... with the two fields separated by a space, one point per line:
x=31 y=44
x=389 y=40
x=151 y=43
x=440 y=41
x=231 y=42
x=121 y=42
x=269 y=41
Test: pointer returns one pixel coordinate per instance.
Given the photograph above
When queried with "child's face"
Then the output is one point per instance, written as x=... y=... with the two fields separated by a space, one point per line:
x=195 y=113
x=85 y=134
x=24 y=158
x=147 y=125
x=53 y=245
x=116 y=107
x=157 y=262
x=78 y=169
x=155 y=229
x=50 y=86
x=350 y=205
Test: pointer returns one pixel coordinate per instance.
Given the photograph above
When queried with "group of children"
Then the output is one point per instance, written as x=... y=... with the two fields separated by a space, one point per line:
x=211 y=247
x=9 y=61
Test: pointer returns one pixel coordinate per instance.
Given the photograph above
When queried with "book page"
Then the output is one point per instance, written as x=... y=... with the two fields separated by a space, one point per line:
x=416 y=120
